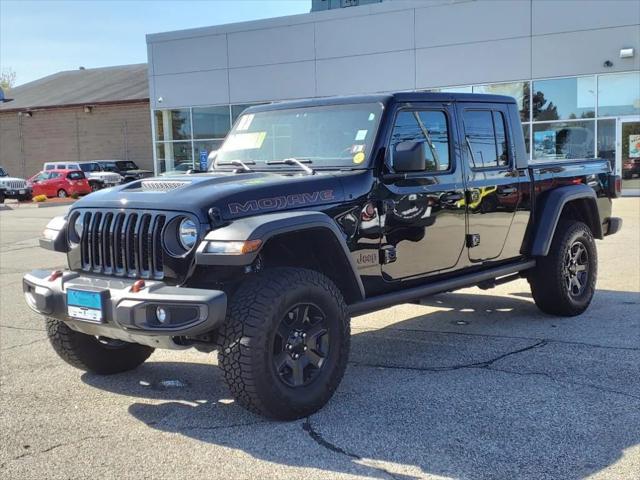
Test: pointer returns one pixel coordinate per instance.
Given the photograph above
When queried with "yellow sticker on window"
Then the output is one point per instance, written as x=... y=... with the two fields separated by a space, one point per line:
x=358 y=158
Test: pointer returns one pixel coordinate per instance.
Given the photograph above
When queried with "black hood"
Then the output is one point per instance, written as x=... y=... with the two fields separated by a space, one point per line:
x=234 y=195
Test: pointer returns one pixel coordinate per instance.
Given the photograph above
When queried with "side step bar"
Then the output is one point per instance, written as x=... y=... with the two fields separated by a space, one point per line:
x=462 y=281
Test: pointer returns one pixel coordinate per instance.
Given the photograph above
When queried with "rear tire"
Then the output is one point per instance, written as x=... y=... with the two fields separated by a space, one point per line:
x=88 y=353
x=285 y=343
x=564 y=282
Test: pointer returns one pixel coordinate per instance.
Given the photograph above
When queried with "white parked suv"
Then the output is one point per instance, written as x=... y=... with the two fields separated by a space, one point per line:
x=97 y=176
x=12 y=187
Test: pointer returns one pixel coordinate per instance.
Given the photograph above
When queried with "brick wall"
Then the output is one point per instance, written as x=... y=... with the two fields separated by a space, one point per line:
x=64 y=134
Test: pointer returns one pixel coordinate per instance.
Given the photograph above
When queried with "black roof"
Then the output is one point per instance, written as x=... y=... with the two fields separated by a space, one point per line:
x=400 y=97
x=119 y=84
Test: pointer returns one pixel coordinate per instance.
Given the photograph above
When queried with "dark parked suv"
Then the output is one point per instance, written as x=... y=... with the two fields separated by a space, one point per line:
x=314 y=211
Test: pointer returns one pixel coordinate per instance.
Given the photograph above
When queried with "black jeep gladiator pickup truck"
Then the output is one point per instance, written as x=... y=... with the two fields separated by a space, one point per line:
x=313 y=211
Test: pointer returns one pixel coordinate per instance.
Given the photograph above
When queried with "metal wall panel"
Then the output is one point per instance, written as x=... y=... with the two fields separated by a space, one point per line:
x=470 y=63
x=271 y=45
x=471 y=22
x=195 y=88
x=190 y=54
x=385 y=32
x=272 y=82
x=366 y=73
x=583 y=52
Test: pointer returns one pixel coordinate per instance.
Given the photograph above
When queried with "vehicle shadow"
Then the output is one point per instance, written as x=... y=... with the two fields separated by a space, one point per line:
x=480 y=386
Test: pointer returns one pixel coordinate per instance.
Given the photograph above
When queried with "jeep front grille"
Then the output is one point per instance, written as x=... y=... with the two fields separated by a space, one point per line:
x=15 y=184
x=124 y=244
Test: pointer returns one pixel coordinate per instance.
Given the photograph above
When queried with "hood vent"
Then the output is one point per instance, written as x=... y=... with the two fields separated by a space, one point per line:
x=161 y=185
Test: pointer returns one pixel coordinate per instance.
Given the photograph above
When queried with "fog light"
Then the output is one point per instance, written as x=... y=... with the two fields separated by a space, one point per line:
x=161 y=314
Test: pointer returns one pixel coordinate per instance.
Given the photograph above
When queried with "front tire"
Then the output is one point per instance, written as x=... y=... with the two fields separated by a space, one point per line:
x=285 y=343
x=564 y=282
x=88 y=353
x=62 y=193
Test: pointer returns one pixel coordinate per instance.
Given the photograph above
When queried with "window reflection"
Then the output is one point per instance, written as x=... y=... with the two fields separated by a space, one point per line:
x=517 y=90
x=619 y=94
x=564 y=99
x=564 y=140
x=172 y=154
x=211 y=122
x=173 y=124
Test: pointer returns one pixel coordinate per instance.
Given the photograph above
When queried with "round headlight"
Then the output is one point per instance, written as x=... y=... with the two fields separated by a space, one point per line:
x=78 y=227
x=187 y=233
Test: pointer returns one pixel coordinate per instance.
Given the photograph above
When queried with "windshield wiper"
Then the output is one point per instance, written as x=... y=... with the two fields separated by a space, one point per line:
x=238 y=163
x=293 y=161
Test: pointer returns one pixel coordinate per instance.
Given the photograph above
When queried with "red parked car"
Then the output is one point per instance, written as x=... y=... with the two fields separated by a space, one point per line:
x=59 y=183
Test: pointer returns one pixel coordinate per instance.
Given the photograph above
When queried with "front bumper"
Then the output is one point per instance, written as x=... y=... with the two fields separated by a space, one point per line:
x=129 y=316
x=17 y=192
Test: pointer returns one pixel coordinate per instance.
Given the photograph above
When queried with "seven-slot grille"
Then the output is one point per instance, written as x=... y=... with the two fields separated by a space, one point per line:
x=15 y=184
x=124 y=244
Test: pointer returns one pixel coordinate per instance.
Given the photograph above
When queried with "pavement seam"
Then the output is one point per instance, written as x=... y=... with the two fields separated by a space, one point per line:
x=22 y=345
x=324 y=443
x=484 y=335
x=483 y=364
x=566 y=382
x=57 y=445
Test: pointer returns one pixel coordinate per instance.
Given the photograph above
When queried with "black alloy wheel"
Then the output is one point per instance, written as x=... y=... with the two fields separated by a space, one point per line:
x=576 y=268
x=301 y=345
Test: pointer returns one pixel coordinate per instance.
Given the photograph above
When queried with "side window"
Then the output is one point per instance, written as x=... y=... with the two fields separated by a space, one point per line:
x=54 y=175
x=49 y=166
x=486 y=136
x=428 y=126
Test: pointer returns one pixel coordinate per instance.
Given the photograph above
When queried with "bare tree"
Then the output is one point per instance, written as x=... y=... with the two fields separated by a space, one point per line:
x=7 y=79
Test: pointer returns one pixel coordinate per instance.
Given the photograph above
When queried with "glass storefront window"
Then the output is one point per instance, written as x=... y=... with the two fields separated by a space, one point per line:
x=619 y=94
x=211 y=122
x=173 y=124
x=607 y=140
x=206 y=146
x=461 y=89
x=526 y=131
x=517 y=90
x=564 y=99
x=170 y=155
x=563 y=140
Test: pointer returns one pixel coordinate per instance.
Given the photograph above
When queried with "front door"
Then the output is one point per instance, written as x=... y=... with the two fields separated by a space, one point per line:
x=492 y=194
x=628 y=154
x=423 y=212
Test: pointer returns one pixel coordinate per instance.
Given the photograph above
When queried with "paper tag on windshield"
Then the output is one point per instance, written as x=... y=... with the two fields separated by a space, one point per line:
x=244 y=141
x=361 y=135
x=245 y=122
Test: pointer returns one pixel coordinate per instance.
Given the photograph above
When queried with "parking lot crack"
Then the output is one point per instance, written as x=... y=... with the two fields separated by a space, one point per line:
x=483 y=364
x=58 y=445
x=567 y=382
x=324 y=443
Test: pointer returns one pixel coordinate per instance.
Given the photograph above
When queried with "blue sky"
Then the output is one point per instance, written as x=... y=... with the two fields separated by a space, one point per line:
x=38 y=38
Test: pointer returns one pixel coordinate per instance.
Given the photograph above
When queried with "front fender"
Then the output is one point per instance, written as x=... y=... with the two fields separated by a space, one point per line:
x=264 y=227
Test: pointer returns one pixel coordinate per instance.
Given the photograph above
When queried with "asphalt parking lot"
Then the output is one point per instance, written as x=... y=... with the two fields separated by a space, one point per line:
x=473 y=384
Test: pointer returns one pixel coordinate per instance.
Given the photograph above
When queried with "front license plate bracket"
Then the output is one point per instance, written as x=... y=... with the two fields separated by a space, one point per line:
x=87 y=304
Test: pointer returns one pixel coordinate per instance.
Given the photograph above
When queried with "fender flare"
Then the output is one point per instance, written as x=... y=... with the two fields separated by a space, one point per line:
x=551 y=209
x=264 y=227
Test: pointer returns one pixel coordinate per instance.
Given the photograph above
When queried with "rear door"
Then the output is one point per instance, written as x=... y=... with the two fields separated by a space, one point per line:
x=423 y=212
x=492 y=181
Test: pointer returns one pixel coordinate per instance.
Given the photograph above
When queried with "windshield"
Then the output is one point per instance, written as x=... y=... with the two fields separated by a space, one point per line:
x=126 y=165
x=328 y=136
x=3 y=173
x=109 y=166
x=90 y=167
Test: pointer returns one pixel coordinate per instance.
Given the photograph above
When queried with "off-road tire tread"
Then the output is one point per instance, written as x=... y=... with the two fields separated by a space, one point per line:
x=86 y=353
x=251 y=304
x=546 y=279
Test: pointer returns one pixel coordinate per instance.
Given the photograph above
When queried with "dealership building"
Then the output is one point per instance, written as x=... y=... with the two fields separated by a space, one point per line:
x=573 y=67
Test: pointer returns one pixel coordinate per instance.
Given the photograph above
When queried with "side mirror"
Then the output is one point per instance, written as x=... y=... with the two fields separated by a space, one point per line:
x=409 y=157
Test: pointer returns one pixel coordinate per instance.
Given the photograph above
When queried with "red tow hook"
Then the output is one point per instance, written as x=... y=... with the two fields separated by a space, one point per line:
x=55 y=275
x=137 y=286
